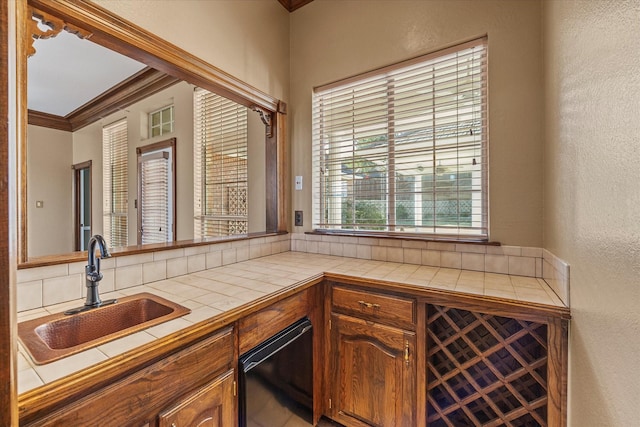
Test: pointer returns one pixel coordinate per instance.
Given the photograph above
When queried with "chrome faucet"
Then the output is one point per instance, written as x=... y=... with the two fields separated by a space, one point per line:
x=94 y=276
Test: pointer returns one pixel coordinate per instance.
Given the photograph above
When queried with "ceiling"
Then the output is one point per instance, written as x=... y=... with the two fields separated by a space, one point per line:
x=57 y=73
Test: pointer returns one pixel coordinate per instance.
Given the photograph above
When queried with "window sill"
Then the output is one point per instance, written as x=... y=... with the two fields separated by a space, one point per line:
x=404 y=236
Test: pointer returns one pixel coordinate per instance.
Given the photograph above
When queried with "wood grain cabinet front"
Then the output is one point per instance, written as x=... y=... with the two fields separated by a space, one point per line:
x=211 y=406
x=139 y=397
x=443 y=359
x=372 y=358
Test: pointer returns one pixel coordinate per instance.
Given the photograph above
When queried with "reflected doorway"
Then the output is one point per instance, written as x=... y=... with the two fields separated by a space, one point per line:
x=156 y=192
x=82 y=208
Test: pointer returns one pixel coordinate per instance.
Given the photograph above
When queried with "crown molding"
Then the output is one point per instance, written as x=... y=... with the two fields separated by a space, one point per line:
x=292 y=5
x=46 y=120
x=137 y=87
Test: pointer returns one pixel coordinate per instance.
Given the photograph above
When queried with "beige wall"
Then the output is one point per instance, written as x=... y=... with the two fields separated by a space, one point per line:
x=331 y=40
x=50 y=180
x=248 y=39
x=592 y=195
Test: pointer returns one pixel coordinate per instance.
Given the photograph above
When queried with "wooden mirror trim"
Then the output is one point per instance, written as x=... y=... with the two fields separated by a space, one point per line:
x=13 y=86
x=89 y=20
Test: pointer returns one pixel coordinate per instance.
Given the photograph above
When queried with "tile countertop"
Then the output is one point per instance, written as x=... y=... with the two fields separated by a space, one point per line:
x=211 y=292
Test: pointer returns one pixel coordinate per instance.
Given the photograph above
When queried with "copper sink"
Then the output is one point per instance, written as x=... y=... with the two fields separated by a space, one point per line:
x=52 y=337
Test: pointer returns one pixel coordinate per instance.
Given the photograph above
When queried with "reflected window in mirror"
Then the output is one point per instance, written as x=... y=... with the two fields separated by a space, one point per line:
x=220 y=166
x=115 y=183
x=161 y=122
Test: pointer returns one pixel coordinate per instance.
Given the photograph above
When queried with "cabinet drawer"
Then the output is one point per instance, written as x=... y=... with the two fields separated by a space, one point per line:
x=382 y=308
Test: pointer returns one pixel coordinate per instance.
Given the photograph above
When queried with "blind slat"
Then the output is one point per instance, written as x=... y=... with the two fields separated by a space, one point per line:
x=115 y=183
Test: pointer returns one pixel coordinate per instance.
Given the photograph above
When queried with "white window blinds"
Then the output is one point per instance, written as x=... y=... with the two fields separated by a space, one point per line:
x=115 y=184
x=220 y=166
x=403 y=149
x=155 y=197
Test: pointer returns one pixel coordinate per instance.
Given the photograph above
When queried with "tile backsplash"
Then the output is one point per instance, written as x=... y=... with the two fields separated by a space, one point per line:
x=556 y=273
x=44 y=286
x=512 y=260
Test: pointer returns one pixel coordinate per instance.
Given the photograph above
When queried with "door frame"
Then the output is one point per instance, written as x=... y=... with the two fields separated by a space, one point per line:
x=162 y=145
x=77 y=197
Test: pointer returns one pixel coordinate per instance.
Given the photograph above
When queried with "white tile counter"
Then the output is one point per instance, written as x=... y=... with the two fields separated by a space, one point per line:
x=212 y=292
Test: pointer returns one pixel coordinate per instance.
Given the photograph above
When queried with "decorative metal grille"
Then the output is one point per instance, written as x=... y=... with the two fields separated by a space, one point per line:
x=237 y=201
x=238 y=227
x=485 y=370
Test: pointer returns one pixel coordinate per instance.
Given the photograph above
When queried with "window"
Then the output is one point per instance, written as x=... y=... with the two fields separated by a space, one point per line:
x=403 y=149
x=161 y=121
x=219 y=166
x=114 y=184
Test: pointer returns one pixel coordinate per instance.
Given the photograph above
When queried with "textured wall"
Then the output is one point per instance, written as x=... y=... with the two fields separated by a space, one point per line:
x=591 y=197
x=248 y=39
x=50 y=180
x=331 y=40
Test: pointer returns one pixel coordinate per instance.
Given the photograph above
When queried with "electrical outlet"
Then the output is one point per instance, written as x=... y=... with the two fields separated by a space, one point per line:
x=298 y=219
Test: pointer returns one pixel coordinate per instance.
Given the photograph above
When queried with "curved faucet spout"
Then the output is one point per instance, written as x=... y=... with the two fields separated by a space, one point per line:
x=104 y=251
x=92 y=271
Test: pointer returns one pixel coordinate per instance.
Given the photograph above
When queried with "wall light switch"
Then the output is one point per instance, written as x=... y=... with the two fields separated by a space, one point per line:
x=298 y=182
x=39 y=204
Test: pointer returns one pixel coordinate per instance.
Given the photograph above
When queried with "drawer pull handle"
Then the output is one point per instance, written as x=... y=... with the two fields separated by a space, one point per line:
x=369 y=305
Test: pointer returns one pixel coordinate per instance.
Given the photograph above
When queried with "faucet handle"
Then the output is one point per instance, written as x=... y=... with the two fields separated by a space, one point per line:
x=94 y=276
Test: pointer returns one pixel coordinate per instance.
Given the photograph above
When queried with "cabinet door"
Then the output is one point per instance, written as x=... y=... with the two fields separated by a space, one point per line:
x=373 y=373
x=211 y=406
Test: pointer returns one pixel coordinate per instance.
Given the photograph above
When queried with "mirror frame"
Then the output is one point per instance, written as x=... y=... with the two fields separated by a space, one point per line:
x=90 y=21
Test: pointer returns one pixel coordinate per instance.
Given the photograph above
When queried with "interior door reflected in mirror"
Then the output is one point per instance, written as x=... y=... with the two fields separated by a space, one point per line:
x=82 y=204
x=156 y=192
x=114 y=114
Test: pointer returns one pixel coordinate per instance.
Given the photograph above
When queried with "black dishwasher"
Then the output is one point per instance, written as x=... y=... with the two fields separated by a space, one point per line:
x=276 y=380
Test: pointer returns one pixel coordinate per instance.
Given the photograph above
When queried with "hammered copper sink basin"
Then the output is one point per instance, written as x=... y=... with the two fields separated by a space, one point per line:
x=52 y=337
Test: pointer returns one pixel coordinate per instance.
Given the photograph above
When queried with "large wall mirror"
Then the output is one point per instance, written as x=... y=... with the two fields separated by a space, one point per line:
x=139 y=144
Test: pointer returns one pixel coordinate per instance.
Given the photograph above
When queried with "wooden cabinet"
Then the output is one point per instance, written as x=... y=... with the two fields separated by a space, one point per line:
x=443 y=359
x=211 y=406
x=140 y=396
x=372 y=378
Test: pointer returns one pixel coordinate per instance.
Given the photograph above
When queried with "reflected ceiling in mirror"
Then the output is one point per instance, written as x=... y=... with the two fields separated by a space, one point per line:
x=57 y=74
